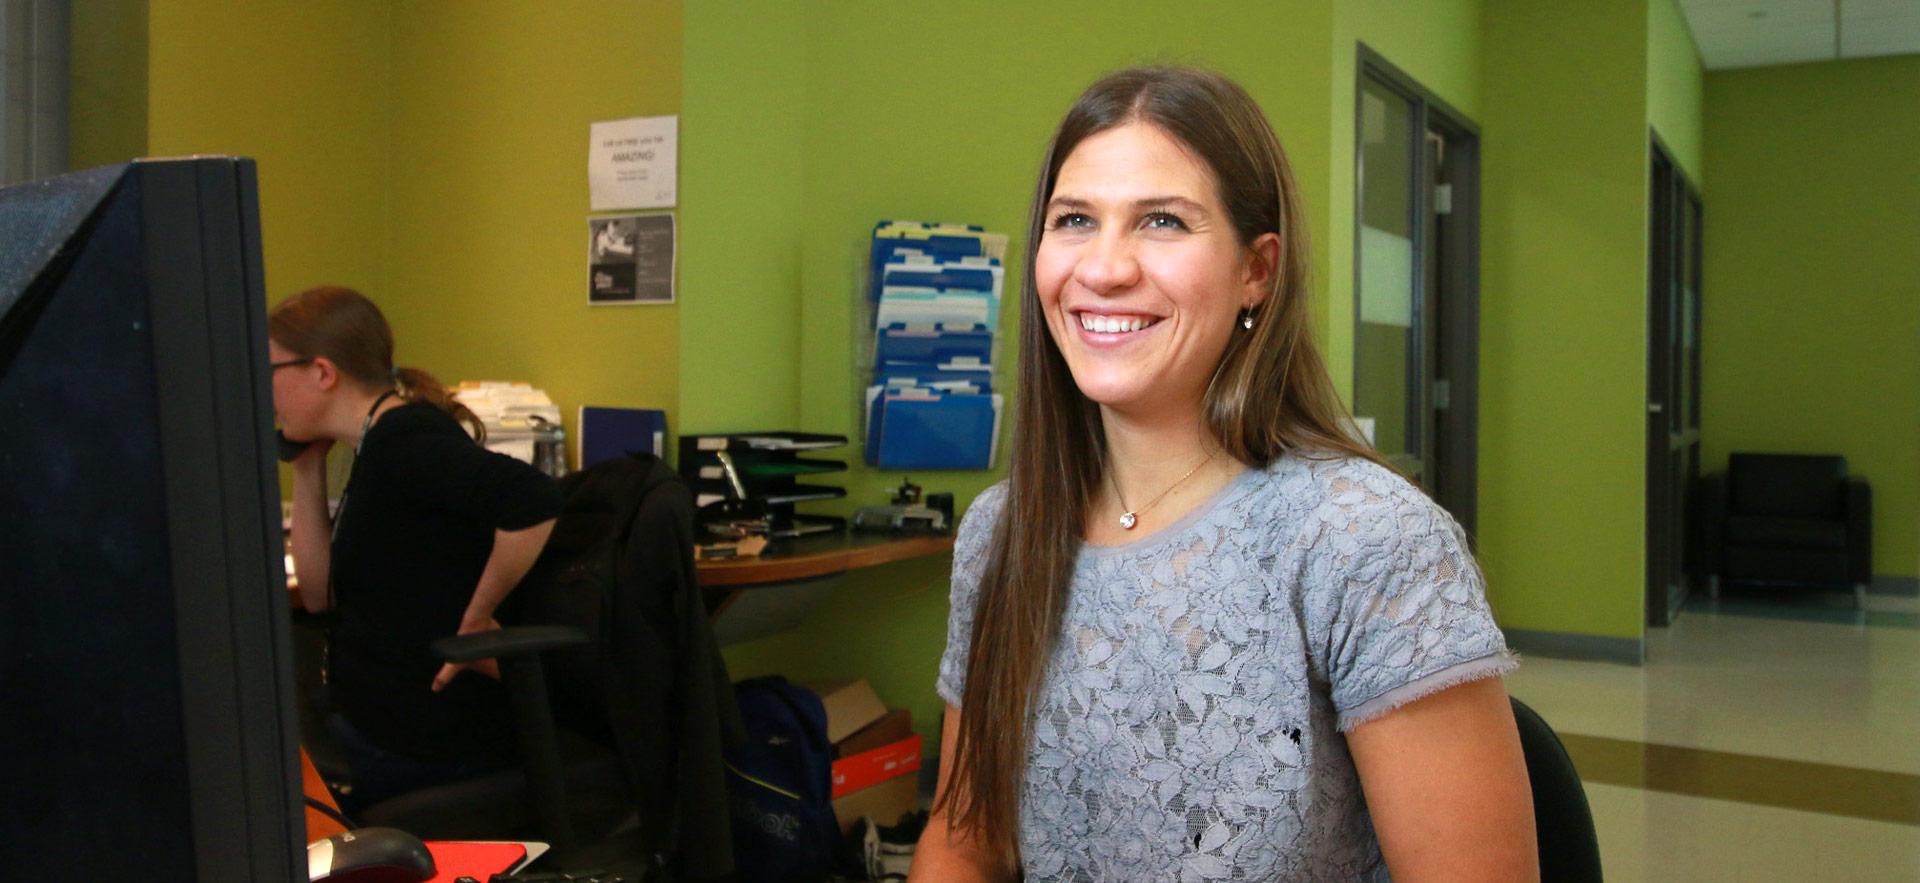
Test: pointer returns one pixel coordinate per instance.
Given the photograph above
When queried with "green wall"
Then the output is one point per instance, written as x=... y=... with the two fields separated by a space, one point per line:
x=107 y=69
x=1438 y=42
x=490 y=106
x=1674 y=78
x=740 y=184
x=302 y=88
x=1563 y=315
x=430 y=153
x=1812 y=289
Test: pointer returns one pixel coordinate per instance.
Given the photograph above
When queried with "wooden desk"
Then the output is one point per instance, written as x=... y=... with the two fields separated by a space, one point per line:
x=797 y=559
x=789 y=560
x=751 y=598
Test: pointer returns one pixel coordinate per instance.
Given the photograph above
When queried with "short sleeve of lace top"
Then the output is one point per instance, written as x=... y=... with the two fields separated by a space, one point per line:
x=1395 y=606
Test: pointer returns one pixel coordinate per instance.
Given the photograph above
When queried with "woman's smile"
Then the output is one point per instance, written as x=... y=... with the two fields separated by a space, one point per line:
x=1112 y=329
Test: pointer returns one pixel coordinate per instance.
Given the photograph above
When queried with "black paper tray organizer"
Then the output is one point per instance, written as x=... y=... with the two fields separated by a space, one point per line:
x=768 y=467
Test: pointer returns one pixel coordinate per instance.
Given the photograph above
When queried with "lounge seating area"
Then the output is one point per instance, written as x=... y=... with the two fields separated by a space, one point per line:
x=1790 y=521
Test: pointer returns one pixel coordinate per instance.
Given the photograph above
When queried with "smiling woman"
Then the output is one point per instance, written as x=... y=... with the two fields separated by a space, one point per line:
x=1202 y=633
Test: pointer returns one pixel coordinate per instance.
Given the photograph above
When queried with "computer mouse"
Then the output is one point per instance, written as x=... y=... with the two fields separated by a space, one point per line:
x=370 y=855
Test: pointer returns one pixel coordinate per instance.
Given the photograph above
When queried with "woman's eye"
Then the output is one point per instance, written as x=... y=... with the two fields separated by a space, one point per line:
x=1164 y=221
x=1071 y=221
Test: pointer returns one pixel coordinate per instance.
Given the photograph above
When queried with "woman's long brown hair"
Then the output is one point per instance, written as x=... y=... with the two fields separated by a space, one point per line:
x=345 y=327
x=1270 y=395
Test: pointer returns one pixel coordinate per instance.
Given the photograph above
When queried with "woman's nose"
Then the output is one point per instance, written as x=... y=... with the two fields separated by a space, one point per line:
x=1108 y=264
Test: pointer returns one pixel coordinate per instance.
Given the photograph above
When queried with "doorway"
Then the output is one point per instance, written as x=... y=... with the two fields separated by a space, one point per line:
x=1416 y=283
x=1673 y=387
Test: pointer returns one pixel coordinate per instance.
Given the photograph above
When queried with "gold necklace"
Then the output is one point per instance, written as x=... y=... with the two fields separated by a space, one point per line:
x=1131 y=517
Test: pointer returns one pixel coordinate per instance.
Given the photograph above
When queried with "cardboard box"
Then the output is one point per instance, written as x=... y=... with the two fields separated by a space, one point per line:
x=870 y=768
x=885 y=802
x=877 y=773
x=851 y=705
x=897 y=725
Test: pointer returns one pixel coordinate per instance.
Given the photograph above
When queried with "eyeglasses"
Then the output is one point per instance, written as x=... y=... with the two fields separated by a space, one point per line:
x=290 y=363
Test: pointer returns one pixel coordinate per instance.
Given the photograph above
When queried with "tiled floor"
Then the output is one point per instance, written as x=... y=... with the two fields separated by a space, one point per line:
x=1648 y=835
x=1749 y=706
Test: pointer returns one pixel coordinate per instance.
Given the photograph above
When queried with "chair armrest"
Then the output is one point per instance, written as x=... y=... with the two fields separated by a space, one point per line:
x=518 y=640
x=518 y=649
x=1859 y=531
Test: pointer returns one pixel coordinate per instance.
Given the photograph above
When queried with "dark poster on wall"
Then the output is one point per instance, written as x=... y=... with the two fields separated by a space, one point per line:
x=630 y=259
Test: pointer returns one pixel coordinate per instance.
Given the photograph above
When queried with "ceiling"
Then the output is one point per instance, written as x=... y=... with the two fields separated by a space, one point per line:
x=1750 y=33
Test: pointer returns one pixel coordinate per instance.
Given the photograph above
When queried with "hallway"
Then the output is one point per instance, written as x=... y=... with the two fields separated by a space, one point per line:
x=1764 y=739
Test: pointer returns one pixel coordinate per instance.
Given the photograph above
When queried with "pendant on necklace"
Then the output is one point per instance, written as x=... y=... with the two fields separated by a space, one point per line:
x=1127 y=521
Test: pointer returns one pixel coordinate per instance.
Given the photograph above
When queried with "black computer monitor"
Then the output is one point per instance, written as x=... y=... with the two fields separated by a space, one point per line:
x=147 y=725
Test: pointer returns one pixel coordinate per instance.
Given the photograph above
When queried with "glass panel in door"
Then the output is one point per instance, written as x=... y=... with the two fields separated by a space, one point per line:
x=1388 y=379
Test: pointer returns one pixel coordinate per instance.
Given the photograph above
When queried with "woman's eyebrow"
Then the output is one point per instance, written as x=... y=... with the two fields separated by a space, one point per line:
x=1157 y=203
x=1146 y=204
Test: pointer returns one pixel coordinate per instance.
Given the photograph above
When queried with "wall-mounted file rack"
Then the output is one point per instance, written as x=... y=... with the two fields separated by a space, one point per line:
x=772 y=470
x=929 y=326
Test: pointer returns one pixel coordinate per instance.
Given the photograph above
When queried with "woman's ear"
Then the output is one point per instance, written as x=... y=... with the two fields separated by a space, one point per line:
x=1263 y=261
x=328 y=374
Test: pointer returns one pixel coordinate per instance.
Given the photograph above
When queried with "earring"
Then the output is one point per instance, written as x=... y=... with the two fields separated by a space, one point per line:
x=1246 y=319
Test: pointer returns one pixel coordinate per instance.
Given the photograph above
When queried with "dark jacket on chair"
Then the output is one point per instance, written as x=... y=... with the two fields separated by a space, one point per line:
x=652 y=684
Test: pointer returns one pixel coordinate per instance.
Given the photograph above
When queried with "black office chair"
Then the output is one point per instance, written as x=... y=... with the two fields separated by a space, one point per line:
x=631 y=779
x=1563 y=823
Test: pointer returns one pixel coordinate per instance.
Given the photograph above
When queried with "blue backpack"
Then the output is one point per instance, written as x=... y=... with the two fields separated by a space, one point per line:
x=780 y=784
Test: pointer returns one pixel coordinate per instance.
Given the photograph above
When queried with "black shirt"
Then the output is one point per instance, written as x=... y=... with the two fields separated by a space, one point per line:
x=412 y=536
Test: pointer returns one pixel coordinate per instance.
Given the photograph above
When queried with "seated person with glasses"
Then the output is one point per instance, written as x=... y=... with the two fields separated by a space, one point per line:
x=432 y=532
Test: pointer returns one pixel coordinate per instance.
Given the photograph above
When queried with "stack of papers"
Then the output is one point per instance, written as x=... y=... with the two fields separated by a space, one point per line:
x=935 y=291
x=515 y=414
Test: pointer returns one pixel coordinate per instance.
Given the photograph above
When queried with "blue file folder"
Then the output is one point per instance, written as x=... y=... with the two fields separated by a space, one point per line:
x=912 y=347
x=606 y=433
x=974 y=381
x=927 y=306
x=983 y=275
x=893 y=239
x=919 y=291
x=923 y=429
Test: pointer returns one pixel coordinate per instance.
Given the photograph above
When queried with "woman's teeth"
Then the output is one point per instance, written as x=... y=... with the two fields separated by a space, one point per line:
x=1113 y=324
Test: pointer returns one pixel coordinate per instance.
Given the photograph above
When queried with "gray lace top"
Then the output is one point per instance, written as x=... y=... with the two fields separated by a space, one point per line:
x=1189 y=724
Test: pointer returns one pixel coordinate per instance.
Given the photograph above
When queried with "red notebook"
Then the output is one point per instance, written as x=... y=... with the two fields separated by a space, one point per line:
x=453 y=859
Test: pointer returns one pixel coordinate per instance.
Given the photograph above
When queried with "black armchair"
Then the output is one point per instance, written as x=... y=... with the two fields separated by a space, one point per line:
x=1789 y=520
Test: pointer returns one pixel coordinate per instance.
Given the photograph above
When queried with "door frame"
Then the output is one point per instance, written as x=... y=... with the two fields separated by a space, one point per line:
x=1459 y=259
x=1676 y=220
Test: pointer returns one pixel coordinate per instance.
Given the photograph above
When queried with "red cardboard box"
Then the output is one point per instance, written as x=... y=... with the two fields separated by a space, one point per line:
x=869 y=768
